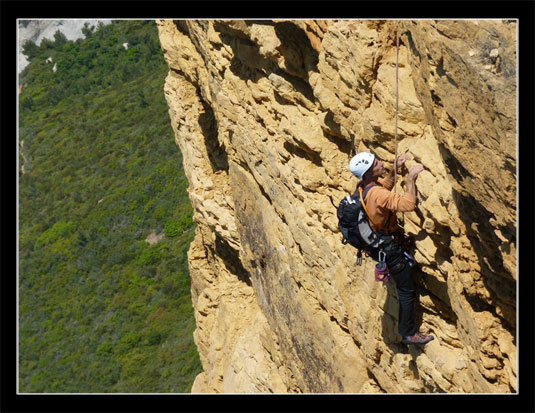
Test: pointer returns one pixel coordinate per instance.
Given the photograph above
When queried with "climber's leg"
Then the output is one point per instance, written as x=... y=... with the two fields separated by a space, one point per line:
x=406 y=295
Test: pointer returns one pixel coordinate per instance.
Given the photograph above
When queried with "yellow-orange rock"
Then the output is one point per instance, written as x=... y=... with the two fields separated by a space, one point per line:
x=267 y=115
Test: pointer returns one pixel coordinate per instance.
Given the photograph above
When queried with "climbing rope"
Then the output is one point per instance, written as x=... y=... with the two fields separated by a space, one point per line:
x=396 y=122
x=402 y=223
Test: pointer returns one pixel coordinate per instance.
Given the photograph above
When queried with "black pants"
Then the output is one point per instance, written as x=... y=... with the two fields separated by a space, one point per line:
x=402 y=274
x=406 y=295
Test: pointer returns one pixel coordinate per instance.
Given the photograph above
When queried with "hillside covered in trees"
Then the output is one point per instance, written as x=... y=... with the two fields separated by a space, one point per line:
x=104 y=219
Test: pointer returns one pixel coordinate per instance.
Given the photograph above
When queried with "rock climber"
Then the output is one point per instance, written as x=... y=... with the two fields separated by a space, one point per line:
x=382 y=205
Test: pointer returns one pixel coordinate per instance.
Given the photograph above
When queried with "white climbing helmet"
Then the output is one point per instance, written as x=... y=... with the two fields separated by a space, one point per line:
x=360 y=163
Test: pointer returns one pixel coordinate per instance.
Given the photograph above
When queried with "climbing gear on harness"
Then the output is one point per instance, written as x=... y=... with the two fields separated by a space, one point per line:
x=360 y=163
x=410 y=259
x=395 y=257
x=381 y=269
x=417 y=338
x=355 y=227
x=406 y=243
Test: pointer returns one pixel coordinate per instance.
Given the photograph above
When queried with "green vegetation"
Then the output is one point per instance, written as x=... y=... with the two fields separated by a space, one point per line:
x=101 y=309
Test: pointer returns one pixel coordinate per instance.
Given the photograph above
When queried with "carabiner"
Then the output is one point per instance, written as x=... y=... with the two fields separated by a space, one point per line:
x=384 y=256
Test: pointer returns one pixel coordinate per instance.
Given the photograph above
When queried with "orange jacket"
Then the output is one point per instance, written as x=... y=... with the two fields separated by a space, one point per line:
x=381 y=204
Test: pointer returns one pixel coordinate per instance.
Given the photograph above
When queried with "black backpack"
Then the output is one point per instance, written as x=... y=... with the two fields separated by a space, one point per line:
x=355 y=227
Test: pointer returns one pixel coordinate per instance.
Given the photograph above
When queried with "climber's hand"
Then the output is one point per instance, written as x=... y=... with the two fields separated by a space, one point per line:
x=415 y=170
x=401 y=159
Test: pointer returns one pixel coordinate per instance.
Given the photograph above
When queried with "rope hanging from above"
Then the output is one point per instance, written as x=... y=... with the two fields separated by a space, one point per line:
x=396 y=121
x=402 y=223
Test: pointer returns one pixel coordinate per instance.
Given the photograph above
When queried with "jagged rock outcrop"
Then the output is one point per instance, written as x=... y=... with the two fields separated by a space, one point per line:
x=267 y=115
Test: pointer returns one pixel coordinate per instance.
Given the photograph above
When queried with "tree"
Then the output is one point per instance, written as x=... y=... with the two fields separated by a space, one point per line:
x=46 y=44
x=87 y=30
x=30 y=49
x=60 y=39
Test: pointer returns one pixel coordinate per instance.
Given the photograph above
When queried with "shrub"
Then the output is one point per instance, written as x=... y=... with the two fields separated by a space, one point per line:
x=149 y=257
x=59 y=229
x=154 y=337
x=104 y=348
x=128 y=341
x=176 y=228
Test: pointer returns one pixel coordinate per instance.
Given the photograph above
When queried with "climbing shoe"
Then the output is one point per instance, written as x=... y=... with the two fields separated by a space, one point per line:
x=417 y=338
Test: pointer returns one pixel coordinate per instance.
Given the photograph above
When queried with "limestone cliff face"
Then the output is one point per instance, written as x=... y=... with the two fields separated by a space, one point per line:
x=267 y=115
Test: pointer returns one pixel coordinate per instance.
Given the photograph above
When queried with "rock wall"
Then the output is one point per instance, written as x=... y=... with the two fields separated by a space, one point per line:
x=267 y=115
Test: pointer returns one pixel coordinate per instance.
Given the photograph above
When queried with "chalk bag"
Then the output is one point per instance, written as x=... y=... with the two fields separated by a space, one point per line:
x=381 y=270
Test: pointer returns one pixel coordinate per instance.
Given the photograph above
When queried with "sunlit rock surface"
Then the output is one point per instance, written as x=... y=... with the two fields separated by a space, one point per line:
x=267 y=115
